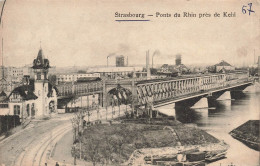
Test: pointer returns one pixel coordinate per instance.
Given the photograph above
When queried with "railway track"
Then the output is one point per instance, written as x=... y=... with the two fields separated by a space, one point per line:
x=35 y=154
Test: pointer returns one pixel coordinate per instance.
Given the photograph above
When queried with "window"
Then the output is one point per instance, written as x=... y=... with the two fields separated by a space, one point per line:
x=38 y=76
x=16 y=110
x=15 y=95
x=28 y=109
x=3 y=105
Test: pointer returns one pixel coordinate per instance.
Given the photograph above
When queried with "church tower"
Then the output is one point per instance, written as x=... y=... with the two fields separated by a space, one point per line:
x=41 y=68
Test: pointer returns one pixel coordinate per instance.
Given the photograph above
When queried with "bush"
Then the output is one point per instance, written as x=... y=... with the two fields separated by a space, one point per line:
x=8 y=122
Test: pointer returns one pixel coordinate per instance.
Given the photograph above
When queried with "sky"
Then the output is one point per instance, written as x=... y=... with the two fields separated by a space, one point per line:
x=84 y=32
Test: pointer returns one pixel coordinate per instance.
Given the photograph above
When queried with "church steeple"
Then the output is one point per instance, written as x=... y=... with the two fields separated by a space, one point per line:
x=40 y=62
x=41 y=66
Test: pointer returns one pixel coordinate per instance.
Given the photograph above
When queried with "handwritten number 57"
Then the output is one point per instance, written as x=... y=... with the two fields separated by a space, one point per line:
x=249 y=8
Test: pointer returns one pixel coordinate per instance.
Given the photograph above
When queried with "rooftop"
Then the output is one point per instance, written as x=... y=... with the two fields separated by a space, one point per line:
x=223 y=63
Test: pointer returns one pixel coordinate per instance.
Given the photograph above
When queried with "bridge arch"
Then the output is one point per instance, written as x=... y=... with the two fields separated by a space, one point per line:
x=119 y=95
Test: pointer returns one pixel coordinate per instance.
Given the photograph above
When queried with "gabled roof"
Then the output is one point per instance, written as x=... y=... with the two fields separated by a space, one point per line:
x=3 y=79
x=27 y=91
x=223 y=63
x=3 y=96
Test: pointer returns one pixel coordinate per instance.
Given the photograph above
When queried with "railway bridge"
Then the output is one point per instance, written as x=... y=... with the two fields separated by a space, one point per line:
x=194 y=90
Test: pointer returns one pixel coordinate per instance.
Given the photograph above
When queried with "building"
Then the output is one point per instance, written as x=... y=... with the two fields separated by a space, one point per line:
x=120 y=61
x=168 y=70
x=3 y=104
x=223 y=67
x=7 y=85
x=35 y=97
x=2 y=72
x=73 y=77
x=173 y=70
x=11 y=77
x=115 y=72
x=16 y=73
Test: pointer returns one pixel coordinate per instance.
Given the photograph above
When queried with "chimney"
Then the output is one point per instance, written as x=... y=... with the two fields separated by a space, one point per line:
x=127 y=61
x=258 y=65
x=178 y=60
x=148 y=65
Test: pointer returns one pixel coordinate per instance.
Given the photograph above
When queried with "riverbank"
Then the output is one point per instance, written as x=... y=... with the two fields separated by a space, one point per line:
x=117 y=143
x=248 y=133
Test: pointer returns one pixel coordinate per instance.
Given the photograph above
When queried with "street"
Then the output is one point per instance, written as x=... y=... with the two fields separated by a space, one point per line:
x=30 y=146
x=34 y=145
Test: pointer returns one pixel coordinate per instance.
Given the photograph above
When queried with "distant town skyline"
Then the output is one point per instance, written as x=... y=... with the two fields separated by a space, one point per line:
x=84 y=33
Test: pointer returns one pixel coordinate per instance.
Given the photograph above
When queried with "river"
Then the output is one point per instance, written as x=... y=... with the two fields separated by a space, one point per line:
x=224 y=117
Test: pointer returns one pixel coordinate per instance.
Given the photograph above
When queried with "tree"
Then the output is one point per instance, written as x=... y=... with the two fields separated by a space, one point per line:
x=82 y=72
x=92 y=145
x=130 y=75
x=77 y=123
x=153 y=71
x=108 y=148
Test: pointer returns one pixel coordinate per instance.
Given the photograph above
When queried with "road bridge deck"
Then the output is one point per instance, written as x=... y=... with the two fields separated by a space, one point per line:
x=158 y=91
x=196 y=94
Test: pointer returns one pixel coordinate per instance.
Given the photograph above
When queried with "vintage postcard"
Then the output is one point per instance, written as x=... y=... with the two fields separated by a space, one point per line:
x=118 y=82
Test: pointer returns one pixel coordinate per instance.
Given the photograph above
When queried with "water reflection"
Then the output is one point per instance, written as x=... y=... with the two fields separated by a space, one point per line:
x=187 y=115
x=221 y=118
x=223 y=103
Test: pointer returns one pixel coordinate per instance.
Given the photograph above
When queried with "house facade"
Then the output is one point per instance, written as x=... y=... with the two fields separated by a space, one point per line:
x=35 y=97
x=223 y=67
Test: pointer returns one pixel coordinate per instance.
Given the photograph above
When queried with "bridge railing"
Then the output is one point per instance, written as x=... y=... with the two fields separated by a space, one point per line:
x=161 y=90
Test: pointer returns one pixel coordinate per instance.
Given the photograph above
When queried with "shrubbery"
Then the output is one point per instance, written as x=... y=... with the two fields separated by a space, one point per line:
x=7 y=122
x=113 y=144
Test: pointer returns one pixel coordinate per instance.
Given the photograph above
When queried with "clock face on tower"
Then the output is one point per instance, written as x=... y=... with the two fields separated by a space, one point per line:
x=38 y=62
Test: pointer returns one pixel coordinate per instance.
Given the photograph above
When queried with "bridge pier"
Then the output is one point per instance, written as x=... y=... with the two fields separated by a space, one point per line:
x=189 y=102
x=168 y=110
x=225 y=96
x=202 y=103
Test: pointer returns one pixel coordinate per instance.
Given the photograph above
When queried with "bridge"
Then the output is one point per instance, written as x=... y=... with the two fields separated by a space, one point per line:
x=185 y=90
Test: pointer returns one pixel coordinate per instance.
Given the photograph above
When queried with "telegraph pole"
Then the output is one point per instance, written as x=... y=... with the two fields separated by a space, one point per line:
x=2 y=34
